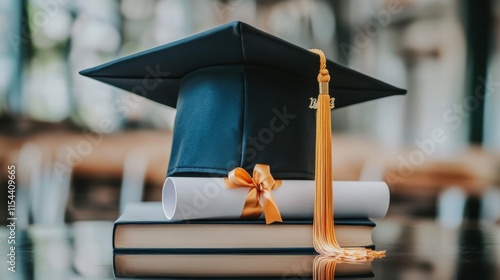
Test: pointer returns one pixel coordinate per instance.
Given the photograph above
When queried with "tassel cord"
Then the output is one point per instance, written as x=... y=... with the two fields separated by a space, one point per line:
x=324 y=238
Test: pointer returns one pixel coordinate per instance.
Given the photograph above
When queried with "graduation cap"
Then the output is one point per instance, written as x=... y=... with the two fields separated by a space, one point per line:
x=243 y=97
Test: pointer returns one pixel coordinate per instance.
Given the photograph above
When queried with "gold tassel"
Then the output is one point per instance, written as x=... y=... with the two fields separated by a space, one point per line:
x=324 y=268
x=324 y=238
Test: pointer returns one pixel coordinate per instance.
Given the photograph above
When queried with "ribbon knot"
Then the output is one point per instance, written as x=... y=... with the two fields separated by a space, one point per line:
x=261 y=185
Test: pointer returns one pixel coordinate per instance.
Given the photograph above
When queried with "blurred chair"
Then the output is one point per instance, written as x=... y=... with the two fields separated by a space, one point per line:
x=133 y=180
x=451 y=207
x=42 y=195
x=42 y=200
x=449 y=189
x=29 y=165
x=490 y=207
x=93 y=252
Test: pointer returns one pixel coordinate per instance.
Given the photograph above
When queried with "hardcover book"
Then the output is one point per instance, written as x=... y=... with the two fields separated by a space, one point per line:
x=228 y=266
x=143 y=226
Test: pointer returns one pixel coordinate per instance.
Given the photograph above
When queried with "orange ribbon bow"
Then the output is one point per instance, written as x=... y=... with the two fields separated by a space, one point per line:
x=260 y=185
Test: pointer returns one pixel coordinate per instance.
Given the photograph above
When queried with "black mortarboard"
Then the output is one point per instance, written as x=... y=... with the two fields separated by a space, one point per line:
x=242 y=98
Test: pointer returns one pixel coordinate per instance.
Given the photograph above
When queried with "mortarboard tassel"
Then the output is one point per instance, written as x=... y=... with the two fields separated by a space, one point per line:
x=324 y=268
x=324 y=238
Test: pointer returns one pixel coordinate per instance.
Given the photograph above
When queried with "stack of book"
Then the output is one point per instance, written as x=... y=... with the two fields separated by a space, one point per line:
x=147 y=244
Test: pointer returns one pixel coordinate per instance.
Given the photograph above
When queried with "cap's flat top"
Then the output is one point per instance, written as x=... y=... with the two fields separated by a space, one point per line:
x=156 y=73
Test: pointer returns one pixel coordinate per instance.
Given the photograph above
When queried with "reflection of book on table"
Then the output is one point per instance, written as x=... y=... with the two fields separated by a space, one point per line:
x=144 y=226
x=279 y=266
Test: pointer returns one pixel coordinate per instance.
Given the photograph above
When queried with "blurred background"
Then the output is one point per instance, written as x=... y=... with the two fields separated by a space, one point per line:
x=83 y=149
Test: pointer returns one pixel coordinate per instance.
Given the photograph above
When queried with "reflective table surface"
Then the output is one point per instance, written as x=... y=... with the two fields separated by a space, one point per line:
x=416 y=249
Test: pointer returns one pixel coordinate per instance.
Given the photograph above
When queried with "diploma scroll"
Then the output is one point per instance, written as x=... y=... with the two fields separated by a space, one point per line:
x=208 y=198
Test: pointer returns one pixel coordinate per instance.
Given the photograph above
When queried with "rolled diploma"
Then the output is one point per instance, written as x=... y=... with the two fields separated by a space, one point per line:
x=208 y=198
